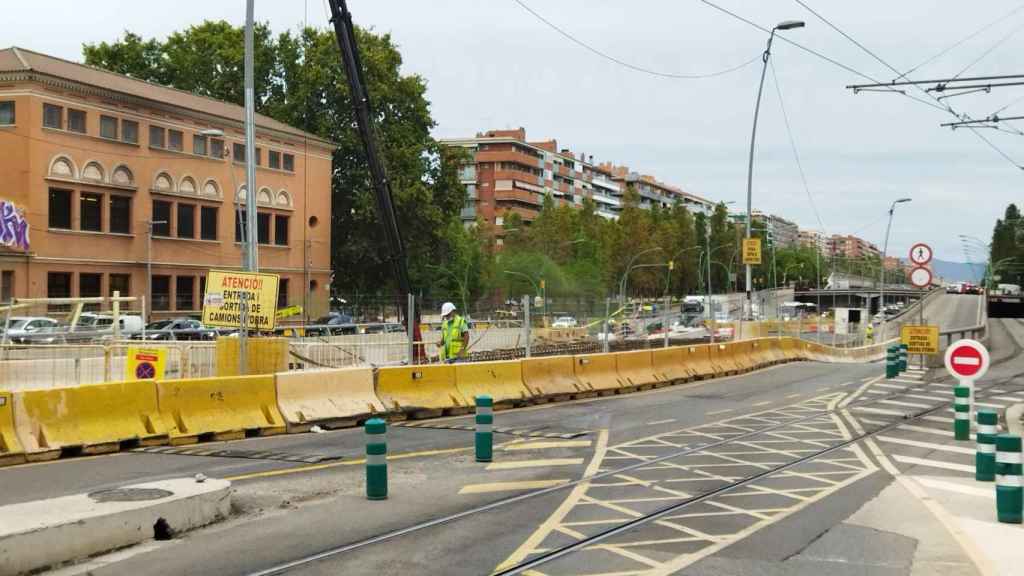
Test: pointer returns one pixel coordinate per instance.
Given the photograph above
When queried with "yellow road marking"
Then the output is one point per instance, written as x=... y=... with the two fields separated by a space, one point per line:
x=765 y=403
x=544 y=462
x=549 y=444
x=507 y=486
x=720 y=411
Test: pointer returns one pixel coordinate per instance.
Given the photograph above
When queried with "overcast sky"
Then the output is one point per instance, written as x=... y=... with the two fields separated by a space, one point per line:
x=491 y=64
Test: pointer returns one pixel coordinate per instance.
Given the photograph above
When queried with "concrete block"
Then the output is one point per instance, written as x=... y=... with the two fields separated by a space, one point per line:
x=43 y=533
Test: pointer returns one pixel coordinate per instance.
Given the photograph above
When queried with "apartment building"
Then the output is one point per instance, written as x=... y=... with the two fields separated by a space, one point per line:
x=813 y=239
x=851 y=246
x=104 y=178
x=508 y=174
x=781 y=233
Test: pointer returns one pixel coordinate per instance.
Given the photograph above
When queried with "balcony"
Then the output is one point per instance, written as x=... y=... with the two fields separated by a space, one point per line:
x=509 y=156
x=516 y=196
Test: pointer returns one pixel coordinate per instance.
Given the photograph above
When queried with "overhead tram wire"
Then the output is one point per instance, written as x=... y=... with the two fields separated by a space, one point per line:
x=628 y=65
x=792 y=144
x=988 y=51
x=944 y=107
x=959 y=42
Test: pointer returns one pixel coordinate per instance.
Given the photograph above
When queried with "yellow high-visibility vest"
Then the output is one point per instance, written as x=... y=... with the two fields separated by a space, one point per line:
x=451 y=337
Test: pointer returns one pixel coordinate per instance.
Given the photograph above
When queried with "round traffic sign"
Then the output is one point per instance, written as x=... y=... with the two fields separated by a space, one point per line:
x=921 y=277
x=145 y=371
x=920 y=254
x=967 y=359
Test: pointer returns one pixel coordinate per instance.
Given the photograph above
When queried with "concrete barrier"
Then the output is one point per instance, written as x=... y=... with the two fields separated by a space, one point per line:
x=720 y=360
x=698 y=361
x=502 y=381
x=761 y=354
x=773 y=348
x=670 y=366
x=789 y=349
x=263 y=356
x=93 y=419
x=553 y=377
x=222 y=408
x=636 y=370
x=741 y=354
x=11 y=451
x=597 y=372
x=327 y=398
x=421 y=391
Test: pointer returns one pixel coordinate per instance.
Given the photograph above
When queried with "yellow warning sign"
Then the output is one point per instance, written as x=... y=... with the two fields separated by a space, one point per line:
x=225 y=293
x=752 y=251
x=920 y=339
x=289 y=311
x=145 y=363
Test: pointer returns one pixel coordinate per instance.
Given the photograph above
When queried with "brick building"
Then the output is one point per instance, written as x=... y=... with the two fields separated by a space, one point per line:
x=96 y=164
x=852 y=247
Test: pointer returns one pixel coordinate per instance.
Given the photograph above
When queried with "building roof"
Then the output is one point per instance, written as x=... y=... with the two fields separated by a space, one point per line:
x=17 y=59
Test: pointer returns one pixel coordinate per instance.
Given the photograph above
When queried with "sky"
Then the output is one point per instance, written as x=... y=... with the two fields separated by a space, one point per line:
x=492 y=64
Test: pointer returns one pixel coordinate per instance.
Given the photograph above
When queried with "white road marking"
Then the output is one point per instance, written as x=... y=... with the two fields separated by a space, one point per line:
x=955 y=487
x=933 y=463
x=544 y=445
x=907 y=404
x=928 y=445
x=508 y=486
x=765 y=403
x=656 y=422
x=541 y=463
x=720 y=411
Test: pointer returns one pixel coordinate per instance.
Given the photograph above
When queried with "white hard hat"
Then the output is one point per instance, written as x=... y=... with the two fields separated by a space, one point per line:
x=447 y=308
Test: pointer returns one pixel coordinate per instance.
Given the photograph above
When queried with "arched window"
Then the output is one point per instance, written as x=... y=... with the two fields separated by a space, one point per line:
x=122 y=176
x=63 y=167
x=265 y=196
x=163 y=182
x=187 y=185
x=93 y=171
x=284 y=199
x=211 y=189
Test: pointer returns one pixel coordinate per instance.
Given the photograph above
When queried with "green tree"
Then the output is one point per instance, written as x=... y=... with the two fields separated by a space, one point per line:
x=300 y=81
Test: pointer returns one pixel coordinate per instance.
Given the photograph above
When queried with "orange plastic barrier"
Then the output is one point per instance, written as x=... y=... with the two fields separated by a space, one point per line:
x=742 y=355
x=636 y=369
x=597 y=372
x=789 y=349
x=220 y=408
x=89 y=419
x=720 y=359
x=553 y=377
x=328 y=398
x=421 y=391
x=502 y=381
x=10 y=448
x=670 y=365
x=698 y=361
x=773 y=346
x=760 y=354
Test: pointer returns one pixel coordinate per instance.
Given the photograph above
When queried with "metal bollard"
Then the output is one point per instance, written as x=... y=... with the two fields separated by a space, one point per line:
x=903 y=357
x=1009 y=502
x=484 y=437
x=962 y=413
x=985 y=457
x=892 y=362
x=376 y=459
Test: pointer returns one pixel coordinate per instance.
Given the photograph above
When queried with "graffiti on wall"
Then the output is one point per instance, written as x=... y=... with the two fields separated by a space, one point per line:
x=13 y=226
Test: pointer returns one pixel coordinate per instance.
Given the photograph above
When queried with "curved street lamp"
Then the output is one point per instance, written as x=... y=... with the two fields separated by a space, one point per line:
x=885 y=248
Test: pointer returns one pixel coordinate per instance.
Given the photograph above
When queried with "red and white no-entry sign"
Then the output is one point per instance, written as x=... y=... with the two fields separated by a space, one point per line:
x=967 y=359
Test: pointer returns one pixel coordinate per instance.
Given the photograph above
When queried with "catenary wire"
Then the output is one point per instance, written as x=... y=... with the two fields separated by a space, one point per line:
x=959 y=42
x=988 y=51
x=792 y=144
x=628 y=65
x=944 y=107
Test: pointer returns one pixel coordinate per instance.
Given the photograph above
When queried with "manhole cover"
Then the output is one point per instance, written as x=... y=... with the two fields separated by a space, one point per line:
x=129 y=494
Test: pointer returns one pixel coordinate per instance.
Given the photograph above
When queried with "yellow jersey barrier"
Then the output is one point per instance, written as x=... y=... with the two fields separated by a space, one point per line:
x=502 y=380
x=332 y=398
x=421 y=391
x=221 y=408
x=92 y=419
x=669 y=365
x=759 y=354
x=719 y=356
x=698 y=361
x=636 y=369
x=11 y=451
x=553 y=377
x=597 y=372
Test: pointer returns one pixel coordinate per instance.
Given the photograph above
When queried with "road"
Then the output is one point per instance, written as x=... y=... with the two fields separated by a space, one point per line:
x=795 y=521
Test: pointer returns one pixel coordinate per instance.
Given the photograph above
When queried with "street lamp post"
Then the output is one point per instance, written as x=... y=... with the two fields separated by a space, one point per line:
x=625 y=275
x=785 y=25
x=885 y=248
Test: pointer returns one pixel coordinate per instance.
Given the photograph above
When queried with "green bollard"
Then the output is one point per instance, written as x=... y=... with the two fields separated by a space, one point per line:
x=985 y=457
x=484 y=437
x=962 y=413
x=1009 y=503
x=376 y=459
x=891 y=363
x=903 y=357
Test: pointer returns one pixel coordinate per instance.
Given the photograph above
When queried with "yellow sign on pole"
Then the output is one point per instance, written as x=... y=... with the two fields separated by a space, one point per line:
x=145 y=363
x=225 y=292
x=920 y=339
x=752 y=251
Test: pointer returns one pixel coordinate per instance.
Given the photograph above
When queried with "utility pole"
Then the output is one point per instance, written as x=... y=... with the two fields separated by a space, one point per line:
x=251 y=232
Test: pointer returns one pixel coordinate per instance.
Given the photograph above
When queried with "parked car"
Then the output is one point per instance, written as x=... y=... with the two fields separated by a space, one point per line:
x=21 y=328
x=333 y=323
x=564 y=322
x=176 y=329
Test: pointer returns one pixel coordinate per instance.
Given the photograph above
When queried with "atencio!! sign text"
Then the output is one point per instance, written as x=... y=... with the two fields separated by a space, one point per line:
x=225 y=292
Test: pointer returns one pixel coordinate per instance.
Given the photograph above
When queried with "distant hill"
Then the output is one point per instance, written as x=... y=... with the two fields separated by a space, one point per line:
x=958 y=271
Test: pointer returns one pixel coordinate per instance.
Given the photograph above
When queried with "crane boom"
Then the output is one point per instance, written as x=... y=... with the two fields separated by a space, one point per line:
x=342 y=20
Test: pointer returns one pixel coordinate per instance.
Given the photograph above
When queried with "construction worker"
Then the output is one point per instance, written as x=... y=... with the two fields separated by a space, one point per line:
x=869 y=333
x=454 y=335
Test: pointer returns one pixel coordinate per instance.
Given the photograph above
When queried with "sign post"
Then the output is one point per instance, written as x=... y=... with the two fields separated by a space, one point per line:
x=921 y=277
x=967 y=360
